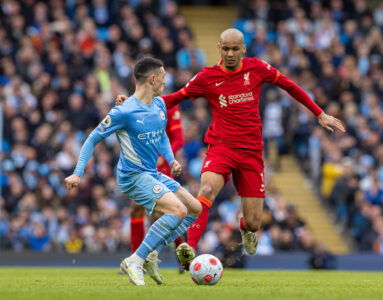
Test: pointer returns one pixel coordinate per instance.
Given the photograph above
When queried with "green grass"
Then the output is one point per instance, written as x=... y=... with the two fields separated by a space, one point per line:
x=108 y=284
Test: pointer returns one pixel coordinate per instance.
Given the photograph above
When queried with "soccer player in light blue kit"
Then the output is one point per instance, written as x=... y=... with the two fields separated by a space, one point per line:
x=139 y=124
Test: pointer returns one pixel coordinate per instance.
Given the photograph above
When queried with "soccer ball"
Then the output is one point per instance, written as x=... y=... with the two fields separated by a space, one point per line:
x=206 y=269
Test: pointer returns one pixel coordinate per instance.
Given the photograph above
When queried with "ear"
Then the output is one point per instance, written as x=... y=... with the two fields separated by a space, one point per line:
x=219 y=47
x=151 y=78
x=243 y=49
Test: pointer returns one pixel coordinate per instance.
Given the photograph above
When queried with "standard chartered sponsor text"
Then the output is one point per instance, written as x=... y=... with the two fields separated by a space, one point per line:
x=238 y=98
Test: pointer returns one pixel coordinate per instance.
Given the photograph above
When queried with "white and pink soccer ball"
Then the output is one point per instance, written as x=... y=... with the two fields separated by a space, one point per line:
x=206 y=269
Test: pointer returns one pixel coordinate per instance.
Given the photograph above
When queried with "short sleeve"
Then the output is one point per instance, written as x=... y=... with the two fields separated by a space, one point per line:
x=113 y=121
x=195 y=87
x=266 y=71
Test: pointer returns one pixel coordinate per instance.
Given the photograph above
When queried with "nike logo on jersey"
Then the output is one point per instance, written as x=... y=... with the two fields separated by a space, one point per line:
x=219 y=83
x=139 y=121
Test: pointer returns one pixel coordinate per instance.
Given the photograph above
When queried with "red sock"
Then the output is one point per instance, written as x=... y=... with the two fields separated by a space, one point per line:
x=178 y=241
x=242 y=224
x=137 y=232
x=196 y=230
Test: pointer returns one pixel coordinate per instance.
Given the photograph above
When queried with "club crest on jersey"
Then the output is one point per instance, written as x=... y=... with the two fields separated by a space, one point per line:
x=207 y=164
x=162 y=115
x=107 y=121
x=157 y=189
x=246 y=78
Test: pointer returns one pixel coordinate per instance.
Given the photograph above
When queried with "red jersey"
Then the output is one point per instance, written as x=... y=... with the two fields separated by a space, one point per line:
x=233 y=97
x=175 y=135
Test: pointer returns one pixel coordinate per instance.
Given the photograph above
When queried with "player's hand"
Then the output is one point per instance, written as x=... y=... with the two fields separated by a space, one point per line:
x=72 y=181
x=176 y=168
x=120 y=99
x=329 y=122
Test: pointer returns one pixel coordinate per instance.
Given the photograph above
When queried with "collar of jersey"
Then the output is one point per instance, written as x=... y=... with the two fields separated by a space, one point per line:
x=230 y=72
x=147 y=107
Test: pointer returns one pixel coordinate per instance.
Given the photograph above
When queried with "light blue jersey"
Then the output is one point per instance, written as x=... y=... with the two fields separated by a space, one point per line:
x=140 y=131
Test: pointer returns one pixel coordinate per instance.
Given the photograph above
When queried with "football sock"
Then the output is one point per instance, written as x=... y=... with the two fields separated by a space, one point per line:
x=242 y=225
x=180 y=230
x=137 y=232
x=158 y=233
x=178 y=241
x=196 y=230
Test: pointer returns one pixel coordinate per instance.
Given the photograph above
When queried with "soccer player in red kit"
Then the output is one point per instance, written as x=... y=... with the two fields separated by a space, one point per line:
x=232 y=88
x=137 y=214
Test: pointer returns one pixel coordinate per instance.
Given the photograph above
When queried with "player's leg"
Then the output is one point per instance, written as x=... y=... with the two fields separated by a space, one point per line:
x=249 y=180
x=164 y=168
x=153 y=257
x=184 y=252
x=250 y=223
x=137 y=227
x=211 y=185
x=192 y=205
x=173 y=213
x=214 y=174
x=153 y=195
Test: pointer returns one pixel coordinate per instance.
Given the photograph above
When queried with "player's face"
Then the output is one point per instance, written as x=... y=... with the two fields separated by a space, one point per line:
x=158 y=83
x=231 y=53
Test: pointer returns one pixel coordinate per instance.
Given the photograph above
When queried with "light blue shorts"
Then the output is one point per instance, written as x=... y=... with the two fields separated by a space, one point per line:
x=145 y=187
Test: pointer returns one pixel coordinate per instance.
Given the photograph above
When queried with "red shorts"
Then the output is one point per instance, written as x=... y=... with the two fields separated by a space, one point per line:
x=246 y=165
x=163 y=166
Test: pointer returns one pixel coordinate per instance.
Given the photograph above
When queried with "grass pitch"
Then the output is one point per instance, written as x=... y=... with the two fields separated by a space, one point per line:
x=97 y=283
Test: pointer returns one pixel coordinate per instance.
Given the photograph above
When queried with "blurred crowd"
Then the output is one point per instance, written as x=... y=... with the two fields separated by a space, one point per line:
x=62 y=63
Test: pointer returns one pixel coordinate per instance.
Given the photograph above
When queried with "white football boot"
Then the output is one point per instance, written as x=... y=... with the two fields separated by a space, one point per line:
x=134 y=269
x=249 y=241
x=151 y=267
x=185 y=255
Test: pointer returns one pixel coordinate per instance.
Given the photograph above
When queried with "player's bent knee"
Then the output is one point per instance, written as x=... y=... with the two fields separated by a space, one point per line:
x=180 y=210
x=206 y=190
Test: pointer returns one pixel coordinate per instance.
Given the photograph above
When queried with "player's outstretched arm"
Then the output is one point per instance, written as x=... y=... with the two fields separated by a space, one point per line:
x=326 y=121
x=174 y=99
x=329 y=122
x=112 y=122
x=170 y=100
x=85 y=154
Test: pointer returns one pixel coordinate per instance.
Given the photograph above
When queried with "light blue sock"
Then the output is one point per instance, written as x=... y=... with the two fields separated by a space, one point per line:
x=158 y=233
x=180 y=230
